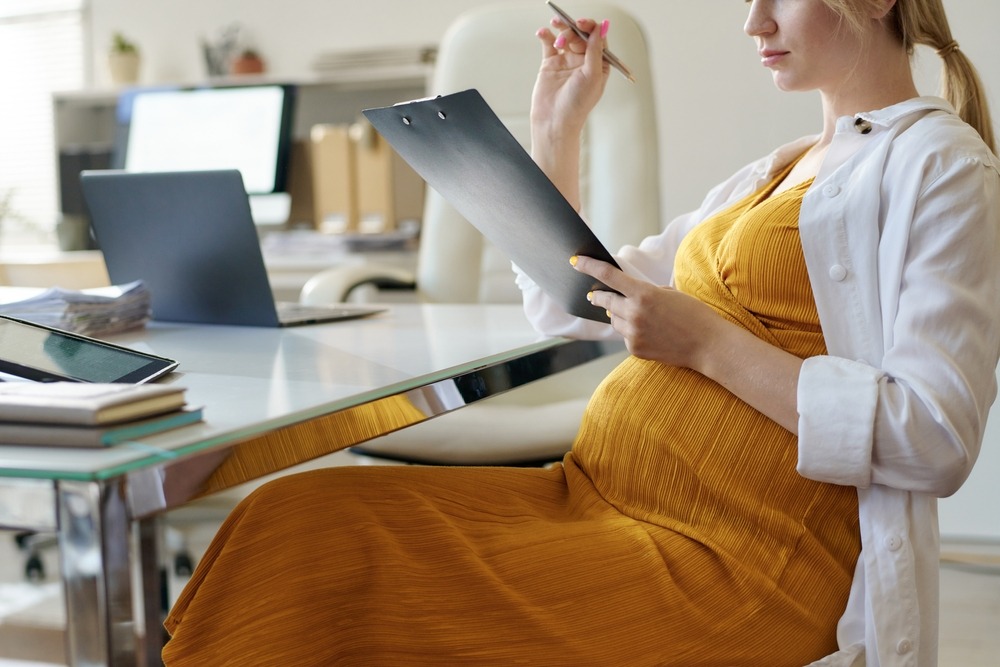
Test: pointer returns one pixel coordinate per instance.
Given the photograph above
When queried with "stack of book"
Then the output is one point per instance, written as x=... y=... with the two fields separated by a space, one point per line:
x=363 y=59
x=79 y=414
x=92 y=312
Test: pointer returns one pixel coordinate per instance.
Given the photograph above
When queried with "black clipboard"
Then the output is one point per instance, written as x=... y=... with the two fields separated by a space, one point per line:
x=460 y=148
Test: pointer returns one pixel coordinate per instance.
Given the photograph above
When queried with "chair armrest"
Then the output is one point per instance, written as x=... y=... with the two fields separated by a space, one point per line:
x=333 y=285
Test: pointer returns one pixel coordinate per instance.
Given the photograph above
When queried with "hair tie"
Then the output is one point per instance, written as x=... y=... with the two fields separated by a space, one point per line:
x=948 y=49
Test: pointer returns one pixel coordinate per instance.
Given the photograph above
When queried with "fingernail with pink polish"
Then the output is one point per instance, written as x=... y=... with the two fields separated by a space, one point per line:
x=560 y=41
x=604 y=27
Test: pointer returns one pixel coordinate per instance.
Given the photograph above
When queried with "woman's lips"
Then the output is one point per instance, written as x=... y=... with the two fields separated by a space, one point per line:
x=771 y=57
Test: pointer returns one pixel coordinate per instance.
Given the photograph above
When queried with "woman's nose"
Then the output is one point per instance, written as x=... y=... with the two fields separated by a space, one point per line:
x=759 y=20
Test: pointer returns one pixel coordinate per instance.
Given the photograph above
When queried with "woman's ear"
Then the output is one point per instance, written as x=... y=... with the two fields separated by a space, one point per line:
x=881 y=8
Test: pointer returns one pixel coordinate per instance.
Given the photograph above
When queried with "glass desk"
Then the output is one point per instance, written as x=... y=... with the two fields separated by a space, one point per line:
x=272 y=398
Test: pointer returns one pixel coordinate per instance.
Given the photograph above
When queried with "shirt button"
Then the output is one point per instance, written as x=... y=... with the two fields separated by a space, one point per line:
x=862 y=126
x=893 y=542
x=904 y=646
x=831 y=191
x=837 y=272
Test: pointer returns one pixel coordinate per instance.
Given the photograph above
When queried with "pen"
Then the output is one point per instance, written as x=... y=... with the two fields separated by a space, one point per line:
x=611 y=58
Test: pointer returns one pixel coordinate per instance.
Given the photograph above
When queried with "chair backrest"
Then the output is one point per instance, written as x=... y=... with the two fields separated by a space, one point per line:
x=494 y=49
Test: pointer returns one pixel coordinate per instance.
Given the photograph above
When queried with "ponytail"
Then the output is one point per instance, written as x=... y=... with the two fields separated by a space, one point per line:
x=924 y=22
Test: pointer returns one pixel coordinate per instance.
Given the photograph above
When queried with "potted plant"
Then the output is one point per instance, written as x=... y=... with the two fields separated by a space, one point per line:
x=123 y=60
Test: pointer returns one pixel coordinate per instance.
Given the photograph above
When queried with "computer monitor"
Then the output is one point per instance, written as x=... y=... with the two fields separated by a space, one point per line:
x=248 y=128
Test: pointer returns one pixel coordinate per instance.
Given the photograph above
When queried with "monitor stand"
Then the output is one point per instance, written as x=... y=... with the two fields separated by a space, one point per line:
x=270 y=210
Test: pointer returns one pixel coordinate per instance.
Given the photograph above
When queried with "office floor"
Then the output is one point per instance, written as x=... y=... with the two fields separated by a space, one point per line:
x=32 y=615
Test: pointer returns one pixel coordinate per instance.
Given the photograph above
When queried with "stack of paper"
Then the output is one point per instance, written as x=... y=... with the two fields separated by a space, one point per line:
x=80 y=414
x=91 y=312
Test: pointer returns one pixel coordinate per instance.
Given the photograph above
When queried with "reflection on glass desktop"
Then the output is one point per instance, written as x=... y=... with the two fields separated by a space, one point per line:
x=180 y=129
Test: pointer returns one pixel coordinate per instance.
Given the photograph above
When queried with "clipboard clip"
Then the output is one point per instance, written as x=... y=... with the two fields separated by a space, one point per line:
x=419 y=99
x=406 y=119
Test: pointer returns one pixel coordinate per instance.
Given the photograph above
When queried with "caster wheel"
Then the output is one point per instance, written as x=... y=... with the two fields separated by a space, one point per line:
x=34 y=569
x=183 y=565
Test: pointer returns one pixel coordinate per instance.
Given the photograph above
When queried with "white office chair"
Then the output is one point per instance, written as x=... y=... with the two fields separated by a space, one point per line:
x=494 y=49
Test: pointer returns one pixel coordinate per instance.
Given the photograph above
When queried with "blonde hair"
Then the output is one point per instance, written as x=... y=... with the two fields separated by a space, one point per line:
x=923 y=22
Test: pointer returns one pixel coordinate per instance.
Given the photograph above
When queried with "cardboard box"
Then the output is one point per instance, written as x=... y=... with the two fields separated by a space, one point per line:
x=334 y=178
x=300 y=184
x=360 y=184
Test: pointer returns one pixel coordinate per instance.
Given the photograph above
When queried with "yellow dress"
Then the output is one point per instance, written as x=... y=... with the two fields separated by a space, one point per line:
x=676 y=532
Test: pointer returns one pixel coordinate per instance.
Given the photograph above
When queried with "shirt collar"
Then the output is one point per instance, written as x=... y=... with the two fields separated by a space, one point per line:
x=892 y=114
x=878 y=121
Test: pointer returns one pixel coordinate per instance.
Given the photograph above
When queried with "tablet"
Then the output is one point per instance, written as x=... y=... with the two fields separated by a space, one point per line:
x=45 y=354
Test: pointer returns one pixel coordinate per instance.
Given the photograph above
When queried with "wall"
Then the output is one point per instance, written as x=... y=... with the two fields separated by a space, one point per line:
x=702 y=60
x=696 y=69
x=717 y=107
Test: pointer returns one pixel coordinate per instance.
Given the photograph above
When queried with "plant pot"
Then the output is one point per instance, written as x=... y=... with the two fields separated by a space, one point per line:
x=246 y=65
x=123 y=67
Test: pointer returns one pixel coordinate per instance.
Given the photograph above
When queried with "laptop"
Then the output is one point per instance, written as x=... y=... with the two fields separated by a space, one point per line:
x=190 y=237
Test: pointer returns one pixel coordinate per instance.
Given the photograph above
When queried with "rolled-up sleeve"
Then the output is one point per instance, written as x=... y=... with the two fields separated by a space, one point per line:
x=837 y=401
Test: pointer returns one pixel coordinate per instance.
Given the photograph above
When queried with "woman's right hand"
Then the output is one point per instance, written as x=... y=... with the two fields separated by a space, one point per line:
x=571 y=78
x=570 y=82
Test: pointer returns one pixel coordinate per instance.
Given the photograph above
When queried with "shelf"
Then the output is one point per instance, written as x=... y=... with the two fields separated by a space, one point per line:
x=349 y=78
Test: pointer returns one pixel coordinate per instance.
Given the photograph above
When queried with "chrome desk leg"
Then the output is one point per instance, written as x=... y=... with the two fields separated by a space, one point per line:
x=153 y=589
x=94 y=546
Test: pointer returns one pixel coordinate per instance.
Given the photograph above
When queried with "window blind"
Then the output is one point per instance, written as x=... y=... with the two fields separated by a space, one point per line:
x=41 y=51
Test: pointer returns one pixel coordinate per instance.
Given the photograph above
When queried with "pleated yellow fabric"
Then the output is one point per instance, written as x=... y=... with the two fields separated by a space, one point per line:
x=677 y=531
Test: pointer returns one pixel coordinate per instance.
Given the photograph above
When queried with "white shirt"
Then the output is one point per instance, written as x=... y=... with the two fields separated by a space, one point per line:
x=901 y=235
